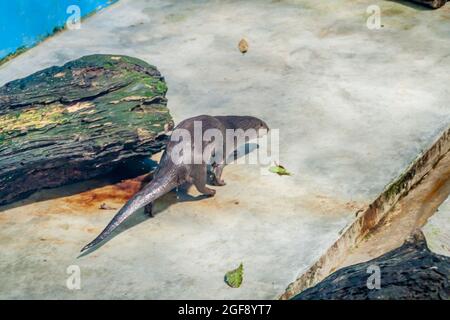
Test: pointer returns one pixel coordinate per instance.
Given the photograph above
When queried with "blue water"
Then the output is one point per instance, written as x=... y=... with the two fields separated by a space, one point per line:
x=26 y=22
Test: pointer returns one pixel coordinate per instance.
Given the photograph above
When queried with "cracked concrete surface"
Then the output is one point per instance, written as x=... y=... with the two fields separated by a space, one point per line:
x=354 y=107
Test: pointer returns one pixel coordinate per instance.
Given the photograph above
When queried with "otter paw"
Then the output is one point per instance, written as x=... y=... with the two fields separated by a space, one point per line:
x=148 y=210
x=219 y=183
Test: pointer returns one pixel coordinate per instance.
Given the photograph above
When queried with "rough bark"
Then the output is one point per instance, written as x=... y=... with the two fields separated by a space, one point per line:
x=410 y=272
x=74 y=122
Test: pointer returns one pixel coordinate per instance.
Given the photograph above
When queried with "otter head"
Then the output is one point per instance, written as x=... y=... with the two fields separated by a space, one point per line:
x=247 y=122
x=259 y=125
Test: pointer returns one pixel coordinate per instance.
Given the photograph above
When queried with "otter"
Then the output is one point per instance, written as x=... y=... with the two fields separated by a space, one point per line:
x=172 y=174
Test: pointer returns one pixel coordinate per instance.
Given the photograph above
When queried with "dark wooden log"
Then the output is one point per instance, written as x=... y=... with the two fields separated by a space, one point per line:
x=74 y=122
x=435 y=4
x=410 y=272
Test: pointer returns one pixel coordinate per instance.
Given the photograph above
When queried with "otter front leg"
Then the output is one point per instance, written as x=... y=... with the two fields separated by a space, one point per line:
x=199 y=176
x=217 y=170
x=148 y=210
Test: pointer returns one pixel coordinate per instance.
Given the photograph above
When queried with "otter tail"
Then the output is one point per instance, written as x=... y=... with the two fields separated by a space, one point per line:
x=155 y=189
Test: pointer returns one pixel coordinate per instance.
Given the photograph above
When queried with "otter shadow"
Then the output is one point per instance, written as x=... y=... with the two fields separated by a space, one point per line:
x=177 y=195
x=130 y=169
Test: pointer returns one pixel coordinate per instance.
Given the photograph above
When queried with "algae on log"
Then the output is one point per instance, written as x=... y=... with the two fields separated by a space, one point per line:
x=409 y=272
x=74 y=122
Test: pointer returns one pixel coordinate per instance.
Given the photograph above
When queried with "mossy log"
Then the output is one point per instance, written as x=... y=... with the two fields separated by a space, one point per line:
x=74 y=122
x=410 y=272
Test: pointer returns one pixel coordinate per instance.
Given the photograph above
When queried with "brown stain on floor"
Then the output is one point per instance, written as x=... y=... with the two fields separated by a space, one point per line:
x=47 y=214
x=92 y=230
x=116 y=193
x=84 y=197
x=328 y=204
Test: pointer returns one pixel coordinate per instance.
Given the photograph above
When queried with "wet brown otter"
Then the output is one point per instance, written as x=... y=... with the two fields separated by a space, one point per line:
x=172 y=174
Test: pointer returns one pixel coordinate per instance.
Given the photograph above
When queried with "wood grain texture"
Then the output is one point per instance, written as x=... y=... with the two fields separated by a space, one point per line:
x=74 y=122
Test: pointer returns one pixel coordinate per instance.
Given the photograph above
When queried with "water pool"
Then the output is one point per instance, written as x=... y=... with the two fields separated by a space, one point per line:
x=23 y=23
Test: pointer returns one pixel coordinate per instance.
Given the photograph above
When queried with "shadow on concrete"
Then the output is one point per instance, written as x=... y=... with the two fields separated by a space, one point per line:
x=130 y=170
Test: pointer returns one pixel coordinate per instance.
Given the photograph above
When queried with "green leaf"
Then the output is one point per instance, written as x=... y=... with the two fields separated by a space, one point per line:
x=234 y=277
x=279 y=170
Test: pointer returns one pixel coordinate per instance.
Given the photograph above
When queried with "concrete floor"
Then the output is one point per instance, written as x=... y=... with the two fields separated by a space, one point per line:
x=437 y=230
x=354 y=108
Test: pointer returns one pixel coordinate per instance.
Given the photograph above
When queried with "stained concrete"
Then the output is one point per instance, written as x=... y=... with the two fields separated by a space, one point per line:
x=437 y=230
x=354 y=107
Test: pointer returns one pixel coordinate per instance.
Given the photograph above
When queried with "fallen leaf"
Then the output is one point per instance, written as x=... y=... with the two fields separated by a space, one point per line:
x=279 y=170
x=243 y=46
x=234 y=277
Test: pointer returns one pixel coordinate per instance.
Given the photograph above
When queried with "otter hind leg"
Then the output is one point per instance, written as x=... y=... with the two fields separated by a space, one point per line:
x=148 y=210
x=199 y=178
x=217 y=168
